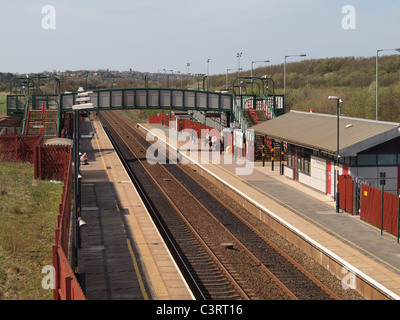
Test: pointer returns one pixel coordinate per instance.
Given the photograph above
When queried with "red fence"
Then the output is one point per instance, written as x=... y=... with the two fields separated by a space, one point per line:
x=371 y=208
x=346 y=191
x=50 y=161
x=181 y=124
x=370 y=204
x=18 y=148
x=160 y=118
x=66 y=285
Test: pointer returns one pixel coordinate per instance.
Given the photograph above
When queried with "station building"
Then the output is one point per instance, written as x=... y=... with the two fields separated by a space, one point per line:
x=366 y=148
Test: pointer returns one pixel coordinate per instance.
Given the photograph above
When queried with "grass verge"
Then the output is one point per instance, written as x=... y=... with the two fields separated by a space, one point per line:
x=28 y=212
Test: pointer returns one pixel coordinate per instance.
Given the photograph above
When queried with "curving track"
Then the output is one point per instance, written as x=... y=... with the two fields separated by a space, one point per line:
x=196 y=223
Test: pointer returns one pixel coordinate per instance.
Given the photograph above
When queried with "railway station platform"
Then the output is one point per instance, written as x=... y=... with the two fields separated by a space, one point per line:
x=122 y=255
x=360 y=248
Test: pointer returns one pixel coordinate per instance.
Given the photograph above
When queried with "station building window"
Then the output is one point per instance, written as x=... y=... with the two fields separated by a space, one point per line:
x=303 y=158
x=305 y=161
x=387 y=160
x=366 y=160
x=290 y=156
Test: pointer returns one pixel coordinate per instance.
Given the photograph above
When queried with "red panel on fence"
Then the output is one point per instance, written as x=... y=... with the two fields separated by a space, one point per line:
x=181 y=123
x=15 y=148
x=346 y=187
x=161 y=118
x=9 y=148
x=50 y=161
x=67 y=286
x=371 y=208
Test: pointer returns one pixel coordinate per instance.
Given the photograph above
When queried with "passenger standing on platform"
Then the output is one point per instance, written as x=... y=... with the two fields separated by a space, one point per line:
x=214 y=142
x=210 y=141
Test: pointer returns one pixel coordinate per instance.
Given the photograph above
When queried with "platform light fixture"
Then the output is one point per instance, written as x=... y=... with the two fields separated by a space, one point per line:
x=336 y=186
x=208 y=74
x=82 y=104
x=239 y=55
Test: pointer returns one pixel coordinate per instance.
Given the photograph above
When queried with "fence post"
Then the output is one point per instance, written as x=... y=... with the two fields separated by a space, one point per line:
x=382 y=182
x=57 y=274
x=68 y=288
x=398 y=216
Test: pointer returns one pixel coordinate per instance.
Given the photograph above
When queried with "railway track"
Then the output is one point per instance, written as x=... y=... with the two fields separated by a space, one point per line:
x=223 y=256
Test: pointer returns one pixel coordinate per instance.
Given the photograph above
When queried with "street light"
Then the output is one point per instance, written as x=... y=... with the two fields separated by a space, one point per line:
x=83 y=104
x=265 y=61
x=238 y=55
x=208 y=71
x=339 y=101
x=172 y=73
x=158 y=76
x=377 y=53
x=180 y=76
x=284 y=74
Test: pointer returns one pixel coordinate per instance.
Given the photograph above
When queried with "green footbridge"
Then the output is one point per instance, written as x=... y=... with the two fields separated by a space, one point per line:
x=241 y=111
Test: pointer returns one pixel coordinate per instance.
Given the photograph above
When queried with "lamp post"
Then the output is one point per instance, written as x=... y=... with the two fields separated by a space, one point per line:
x=180 y=77
x=339 y=101
x=83 y=104
x=208 y=75
x=377 y=58
x=188 y=66
x=284 y=74
x=238 y=55
x=172 y=74
x=265 y=61
x=158 y=76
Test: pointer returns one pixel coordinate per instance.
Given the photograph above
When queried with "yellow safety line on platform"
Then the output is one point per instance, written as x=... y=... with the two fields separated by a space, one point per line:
x=302 y=214
x=135 y=265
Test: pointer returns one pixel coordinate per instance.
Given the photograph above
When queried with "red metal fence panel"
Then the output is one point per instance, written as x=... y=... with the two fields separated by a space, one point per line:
x=346 y=192
x=161 y=118
x=66 y=285
x=50 y=161
x=18 y=148
x=371 y=208
x=9 y=148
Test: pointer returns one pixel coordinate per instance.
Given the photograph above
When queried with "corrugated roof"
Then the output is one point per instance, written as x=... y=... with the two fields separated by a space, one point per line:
x=319 y=132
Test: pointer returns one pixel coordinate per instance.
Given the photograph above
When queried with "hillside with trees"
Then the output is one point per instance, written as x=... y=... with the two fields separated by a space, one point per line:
x=310 y=82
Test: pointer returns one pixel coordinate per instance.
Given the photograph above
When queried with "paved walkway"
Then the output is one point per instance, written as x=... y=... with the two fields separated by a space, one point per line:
x=122 y=254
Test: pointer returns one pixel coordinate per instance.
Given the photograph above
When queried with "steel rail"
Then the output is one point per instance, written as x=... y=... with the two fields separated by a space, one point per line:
x=273 y=245
x=279 y=283
x=239 y=289
x=243 y=246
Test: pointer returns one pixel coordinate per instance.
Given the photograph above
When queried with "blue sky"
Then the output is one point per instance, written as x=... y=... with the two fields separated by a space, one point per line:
x=148 y=35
